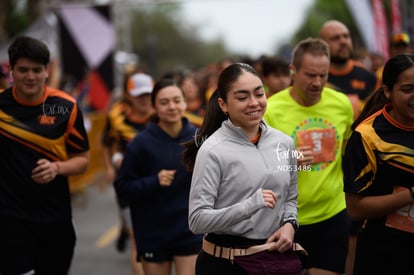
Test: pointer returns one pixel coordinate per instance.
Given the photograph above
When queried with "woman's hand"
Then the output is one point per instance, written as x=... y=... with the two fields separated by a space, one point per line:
x=166 y=177
x=269 y=197
x=282 y=239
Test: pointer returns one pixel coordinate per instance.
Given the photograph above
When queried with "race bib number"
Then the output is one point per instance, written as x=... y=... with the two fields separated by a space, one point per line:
x=322 y=141
x=403 y=218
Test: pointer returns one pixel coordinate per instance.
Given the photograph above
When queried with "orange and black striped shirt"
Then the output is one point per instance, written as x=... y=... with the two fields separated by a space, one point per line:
x=51 y=128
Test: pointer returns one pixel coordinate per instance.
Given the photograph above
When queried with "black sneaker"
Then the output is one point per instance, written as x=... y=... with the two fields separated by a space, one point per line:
x=122 y=241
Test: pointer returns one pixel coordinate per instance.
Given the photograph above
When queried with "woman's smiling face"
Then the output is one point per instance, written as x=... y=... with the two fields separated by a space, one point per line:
x=246 y=102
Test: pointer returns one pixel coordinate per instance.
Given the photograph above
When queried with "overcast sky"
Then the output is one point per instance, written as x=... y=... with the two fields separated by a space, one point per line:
x=253 y=27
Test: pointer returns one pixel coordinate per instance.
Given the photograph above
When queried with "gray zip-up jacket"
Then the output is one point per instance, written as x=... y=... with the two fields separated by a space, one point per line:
x=229 y=174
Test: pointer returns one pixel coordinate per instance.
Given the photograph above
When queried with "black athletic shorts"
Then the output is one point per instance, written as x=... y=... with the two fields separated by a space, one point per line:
x=167 y=255
x=326 y=243
x=42 y=248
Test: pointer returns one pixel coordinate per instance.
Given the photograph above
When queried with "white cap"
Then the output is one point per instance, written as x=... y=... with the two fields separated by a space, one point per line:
x=139 y=84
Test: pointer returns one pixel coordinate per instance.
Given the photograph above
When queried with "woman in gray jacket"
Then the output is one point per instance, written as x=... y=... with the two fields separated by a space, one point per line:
x=244 y=184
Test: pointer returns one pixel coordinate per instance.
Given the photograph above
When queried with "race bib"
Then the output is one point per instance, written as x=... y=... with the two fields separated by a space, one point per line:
x=322 y=141
x=403 y=218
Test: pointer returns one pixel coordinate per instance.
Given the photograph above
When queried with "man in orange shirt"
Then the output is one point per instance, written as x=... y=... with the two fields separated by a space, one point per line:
x=346 y=74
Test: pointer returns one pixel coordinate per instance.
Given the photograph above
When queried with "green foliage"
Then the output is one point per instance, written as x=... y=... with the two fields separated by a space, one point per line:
x=17 y=19
x=164 y=42
x=321 y=11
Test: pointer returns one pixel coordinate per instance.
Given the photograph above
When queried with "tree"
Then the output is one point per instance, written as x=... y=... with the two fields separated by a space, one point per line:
x=321 y=11
x=164 y=42
x=17 y=15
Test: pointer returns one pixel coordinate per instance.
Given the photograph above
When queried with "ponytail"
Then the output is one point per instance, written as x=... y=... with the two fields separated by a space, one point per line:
x=212 y=121
x=375 y=102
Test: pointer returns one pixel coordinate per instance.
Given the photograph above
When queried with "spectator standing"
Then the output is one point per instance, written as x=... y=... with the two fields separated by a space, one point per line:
x=318 y=119
x=379 y=173
x=157 y=185
x=238 y=196
x=43 y=141
x=345 y=73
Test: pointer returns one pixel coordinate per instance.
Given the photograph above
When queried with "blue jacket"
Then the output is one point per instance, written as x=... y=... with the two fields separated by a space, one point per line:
x=159 y=214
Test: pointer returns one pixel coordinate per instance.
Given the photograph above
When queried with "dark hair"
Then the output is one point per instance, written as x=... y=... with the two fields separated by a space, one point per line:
x=30 y=48
x=274 y=65
x=214 y=116
x=161 y=84
x=392 y=70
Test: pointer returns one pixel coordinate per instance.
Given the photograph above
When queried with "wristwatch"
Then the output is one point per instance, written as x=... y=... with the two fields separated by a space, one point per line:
x=294 y=223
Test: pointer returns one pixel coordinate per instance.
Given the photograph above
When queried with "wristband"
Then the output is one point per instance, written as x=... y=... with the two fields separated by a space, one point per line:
x=411 y=192
x=116 y=158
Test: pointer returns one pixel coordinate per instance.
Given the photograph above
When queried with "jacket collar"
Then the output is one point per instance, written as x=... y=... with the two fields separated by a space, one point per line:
x=237 y=133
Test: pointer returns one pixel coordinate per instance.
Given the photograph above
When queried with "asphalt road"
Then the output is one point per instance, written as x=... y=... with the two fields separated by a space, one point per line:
x=96 y=221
